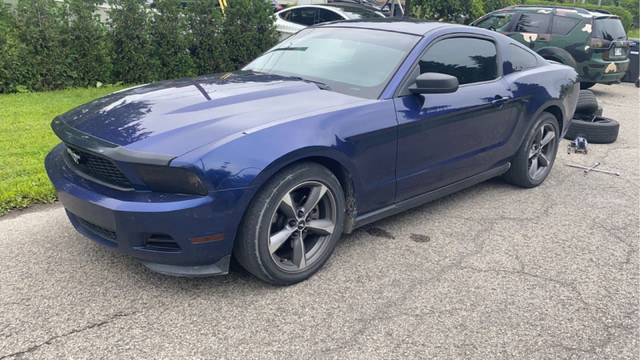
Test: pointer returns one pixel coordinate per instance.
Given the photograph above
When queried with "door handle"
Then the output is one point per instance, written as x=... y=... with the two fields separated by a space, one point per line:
x=498 y=100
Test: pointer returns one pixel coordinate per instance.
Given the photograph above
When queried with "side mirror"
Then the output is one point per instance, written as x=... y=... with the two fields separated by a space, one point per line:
x=434 y=83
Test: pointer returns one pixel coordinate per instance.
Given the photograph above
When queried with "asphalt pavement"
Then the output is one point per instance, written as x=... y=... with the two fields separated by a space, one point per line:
x=493 y=271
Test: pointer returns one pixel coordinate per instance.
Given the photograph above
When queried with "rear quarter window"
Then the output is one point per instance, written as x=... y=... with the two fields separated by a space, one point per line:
x=562 y=25
x=521 y=59
x=325 y=15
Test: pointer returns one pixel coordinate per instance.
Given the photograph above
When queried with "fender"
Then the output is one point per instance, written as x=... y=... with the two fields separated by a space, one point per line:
x=559 y=55
x=261 y=176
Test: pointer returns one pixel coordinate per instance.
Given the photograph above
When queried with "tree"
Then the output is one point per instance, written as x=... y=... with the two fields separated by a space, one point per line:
x=459 y=11
x=632 y=7
x=88 y=50
x=10 y=49
x=248 y=30
x=170 y=42
x=208 y=49
x=491 y=5
x=131 y=44
x=44 y=54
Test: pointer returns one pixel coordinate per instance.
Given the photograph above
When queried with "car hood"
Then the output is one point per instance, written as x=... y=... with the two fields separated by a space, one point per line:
x=174 y=117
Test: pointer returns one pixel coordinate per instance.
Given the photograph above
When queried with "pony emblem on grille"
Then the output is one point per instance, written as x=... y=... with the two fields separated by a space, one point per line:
x=75 y=157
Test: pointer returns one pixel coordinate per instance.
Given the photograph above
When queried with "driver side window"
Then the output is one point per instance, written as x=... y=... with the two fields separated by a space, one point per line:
x=471 y=60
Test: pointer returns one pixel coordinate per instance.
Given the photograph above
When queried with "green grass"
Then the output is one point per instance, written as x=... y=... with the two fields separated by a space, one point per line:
x=634 y=33
x=26 y=138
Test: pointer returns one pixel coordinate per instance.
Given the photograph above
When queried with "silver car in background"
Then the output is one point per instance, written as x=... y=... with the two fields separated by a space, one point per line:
x=291 y=20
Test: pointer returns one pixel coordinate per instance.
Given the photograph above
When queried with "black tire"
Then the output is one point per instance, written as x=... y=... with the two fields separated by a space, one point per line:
x=586 y=85
x=587 y=103
x=601 y=130
x=533 y=160
x=292 y=225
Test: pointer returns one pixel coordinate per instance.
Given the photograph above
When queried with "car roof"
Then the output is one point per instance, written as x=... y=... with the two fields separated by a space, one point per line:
x=565 y=10
x=346 y=10
x=336 y=6
x=409 y=26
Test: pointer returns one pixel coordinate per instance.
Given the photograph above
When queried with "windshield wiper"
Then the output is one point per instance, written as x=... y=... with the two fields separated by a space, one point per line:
x=299 y=48
x=320 y=85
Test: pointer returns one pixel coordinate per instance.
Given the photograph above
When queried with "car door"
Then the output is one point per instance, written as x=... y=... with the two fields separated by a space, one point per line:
x=533 y=29
x=444 y=138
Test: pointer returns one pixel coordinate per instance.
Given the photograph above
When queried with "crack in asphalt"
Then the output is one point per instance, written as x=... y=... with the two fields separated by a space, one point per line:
x=486 y=225
x=609 y=329
x=631 y=246
x=384 y=309
x=606 y=340
x=72 y=332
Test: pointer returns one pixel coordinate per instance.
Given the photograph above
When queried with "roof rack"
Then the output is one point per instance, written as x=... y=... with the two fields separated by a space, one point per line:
x=580 y=10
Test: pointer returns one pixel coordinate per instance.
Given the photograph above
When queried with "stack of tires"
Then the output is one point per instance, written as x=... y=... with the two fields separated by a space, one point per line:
x=589 y=123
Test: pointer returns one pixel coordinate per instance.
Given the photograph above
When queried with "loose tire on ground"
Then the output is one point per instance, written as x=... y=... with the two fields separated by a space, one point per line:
x=587 y=103
x=533 y=161
x=292 y=225
x=601 y=130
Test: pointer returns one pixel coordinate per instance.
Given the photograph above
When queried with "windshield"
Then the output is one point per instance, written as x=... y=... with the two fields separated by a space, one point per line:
x=358 y=62
x=608 y=29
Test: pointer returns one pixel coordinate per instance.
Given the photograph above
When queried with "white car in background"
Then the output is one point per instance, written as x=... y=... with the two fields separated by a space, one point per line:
x=291 y=20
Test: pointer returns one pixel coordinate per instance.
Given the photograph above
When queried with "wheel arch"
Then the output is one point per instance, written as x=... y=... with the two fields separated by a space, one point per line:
x=330 y=159
x=346 y=182
x=556 y=111
x=559 y=55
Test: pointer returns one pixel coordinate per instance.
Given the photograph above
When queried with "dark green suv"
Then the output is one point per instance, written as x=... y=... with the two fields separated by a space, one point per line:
x=593 y=42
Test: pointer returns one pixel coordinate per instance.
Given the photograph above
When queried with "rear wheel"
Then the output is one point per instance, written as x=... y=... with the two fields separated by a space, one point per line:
x=292 y=226
x=533 y=161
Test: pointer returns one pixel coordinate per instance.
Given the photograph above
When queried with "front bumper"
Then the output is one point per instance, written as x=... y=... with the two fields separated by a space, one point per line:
x=172 y=234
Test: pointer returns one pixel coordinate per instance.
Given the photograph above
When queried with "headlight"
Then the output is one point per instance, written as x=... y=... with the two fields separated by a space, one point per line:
x=170 y=179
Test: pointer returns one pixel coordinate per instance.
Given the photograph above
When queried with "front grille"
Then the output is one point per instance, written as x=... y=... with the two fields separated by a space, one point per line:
x=97 y=167
x=98 y=230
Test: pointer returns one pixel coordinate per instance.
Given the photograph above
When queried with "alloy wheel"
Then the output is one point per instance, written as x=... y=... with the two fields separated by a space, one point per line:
x=302 y=226
x=542 y=151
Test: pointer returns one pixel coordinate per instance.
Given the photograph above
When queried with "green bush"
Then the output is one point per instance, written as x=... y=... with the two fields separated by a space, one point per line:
x=455 y=11
x=208 y=49
x=47 y=45
x=491 y=5
x=44 y=57
x=10 y=49
x=170 y=42
x=248 y=30
x=131 y=44
x=632 y=7
x=87 y=39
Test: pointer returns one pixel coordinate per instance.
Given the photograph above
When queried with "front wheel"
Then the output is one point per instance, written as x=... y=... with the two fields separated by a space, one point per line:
x=292 y=226
x=533 y=161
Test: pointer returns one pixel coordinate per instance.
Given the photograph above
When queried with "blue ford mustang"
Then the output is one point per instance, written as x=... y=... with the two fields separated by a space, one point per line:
x=338 y=126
